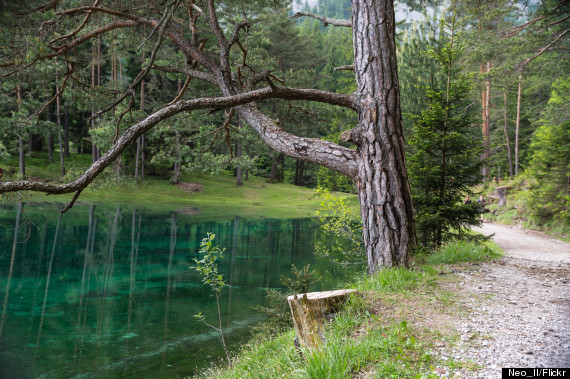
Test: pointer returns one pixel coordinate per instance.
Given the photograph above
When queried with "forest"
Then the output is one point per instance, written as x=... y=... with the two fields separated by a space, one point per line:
x=192 y=142
x=480 y=94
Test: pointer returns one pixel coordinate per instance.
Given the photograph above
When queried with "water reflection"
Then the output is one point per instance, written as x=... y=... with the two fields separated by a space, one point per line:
x=110 y=291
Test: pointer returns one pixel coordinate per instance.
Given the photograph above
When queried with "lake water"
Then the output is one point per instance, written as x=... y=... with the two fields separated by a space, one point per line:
x=110 y=292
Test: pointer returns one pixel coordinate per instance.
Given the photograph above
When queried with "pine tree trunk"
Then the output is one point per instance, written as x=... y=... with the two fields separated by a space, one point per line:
x=485 y=128
x=21 y=157
x=517 y=127
x=138 y=153
x=505 y=128
x=382 y=182
x=50 y=147
x=139 y=140
x=176 y=168
x=30 y=143
x=142 y=157
x=273 y=167
x=239 y=179
x=66 y=132
x=58 y=118
x=488 y=120
x=93 y=146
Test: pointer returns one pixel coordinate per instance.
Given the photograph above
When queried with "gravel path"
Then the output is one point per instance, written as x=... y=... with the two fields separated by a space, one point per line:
x=518 y=308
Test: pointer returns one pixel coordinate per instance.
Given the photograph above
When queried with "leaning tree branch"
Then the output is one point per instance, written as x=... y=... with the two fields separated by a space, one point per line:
x=315 y=146
x=325 y=153
x=325 y=20
x=521 y=65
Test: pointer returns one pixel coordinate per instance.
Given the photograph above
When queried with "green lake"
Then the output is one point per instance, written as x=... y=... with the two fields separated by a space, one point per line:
x=111 y=292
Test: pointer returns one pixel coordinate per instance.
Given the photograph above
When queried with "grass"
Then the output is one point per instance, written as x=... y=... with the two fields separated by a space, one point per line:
x=219 y=198
x=464 y=251
x=388 y=331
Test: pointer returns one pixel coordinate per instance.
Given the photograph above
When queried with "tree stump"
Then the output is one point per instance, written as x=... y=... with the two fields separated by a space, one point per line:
x=311 y=310
x=502 y=192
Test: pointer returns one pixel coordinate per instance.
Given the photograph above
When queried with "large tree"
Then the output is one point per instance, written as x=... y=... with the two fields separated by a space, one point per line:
x=377 y=164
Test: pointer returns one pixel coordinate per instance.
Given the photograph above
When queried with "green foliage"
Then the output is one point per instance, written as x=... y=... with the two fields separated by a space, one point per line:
x=550 y=161
x=463 y=251
x=208 y=266
x=4 y=154
x=444 y=159
x=208 y=269
x=277 y=313
x=343 y=227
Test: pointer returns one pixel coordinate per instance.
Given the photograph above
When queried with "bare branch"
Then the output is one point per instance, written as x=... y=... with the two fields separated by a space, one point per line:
x=325 y=20
x=348 y=67
x=73 y=200
x=182 y=91
x=201 y=12
x=559 y=21
x=521 y=65
x=513 y=31
x=192 y=73
x=78 y=29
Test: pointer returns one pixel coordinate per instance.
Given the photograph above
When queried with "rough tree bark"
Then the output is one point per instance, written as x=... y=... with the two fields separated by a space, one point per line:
x=517 y=127
x=382 y=181
x=505 y=129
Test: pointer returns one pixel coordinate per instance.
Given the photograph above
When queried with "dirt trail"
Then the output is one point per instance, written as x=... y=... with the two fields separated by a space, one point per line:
x=516 y=311
x=527 y=244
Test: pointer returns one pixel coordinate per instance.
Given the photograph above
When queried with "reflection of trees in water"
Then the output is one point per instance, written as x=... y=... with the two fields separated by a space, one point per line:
x=108 y=270
x=169 y=281
x=85 y=275
x=105 y=276
x=11 y=270
x=53 y=250
x=133 y=255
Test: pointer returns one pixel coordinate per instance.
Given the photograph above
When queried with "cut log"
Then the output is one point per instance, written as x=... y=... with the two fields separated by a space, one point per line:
x=502 y=192
x=311 y=310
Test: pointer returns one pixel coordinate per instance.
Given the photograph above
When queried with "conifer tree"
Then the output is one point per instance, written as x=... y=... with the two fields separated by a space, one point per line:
x=550 y=161
x=444 y=162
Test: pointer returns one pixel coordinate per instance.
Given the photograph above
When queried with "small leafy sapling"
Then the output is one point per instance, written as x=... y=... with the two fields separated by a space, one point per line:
x=341 y=224
x=208 y=269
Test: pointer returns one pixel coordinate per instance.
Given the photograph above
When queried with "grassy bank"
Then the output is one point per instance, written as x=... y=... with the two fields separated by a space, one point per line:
x=218 y=198
x=389 y=330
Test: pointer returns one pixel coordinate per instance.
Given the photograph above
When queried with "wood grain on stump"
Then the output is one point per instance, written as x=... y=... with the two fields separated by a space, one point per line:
x=311 y=310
